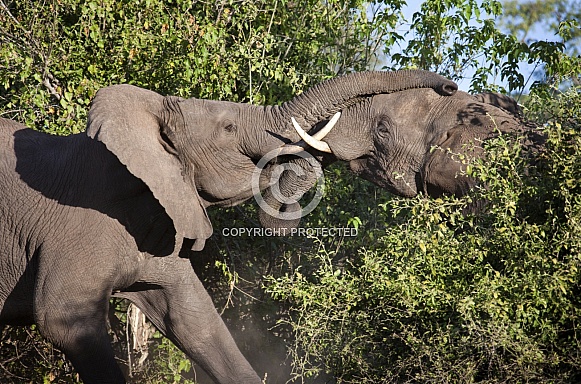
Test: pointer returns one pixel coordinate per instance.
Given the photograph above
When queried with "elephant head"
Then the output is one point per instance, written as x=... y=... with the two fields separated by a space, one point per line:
x=407 y=142
x=195 y=153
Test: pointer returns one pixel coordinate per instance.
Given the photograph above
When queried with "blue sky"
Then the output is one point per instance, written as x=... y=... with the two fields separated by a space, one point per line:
x=538 y=34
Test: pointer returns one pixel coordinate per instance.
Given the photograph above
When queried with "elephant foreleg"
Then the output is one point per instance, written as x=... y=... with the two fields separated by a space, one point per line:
x=75 y=320
x=175 y=301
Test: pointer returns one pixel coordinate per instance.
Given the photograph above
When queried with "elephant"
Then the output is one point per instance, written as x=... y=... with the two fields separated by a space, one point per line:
x=117 y=211
x=404 y=142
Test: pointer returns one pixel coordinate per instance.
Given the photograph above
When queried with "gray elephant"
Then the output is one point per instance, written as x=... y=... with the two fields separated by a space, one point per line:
x=403 y=141
x=115 y=211
x=400 y=141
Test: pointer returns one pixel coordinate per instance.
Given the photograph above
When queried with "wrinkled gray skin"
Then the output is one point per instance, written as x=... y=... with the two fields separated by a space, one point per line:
x=115 y=211
x=401 y=141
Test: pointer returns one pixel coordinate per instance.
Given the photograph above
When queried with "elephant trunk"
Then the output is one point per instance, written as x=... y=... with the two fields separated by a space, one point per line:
x=279 y=207
x=323 y=100
x=319 y=103
x=279 y=225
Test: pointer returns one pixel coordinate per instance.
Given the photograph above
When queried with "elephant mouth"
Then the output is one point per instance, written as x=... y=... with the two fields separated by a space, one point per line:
x=400 y=184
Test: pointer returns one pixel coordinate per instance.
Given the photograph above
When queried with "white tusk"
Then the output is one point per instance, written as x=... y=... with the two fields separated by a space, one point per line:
x=290 y=149
x=327 y=128
x=316 y=141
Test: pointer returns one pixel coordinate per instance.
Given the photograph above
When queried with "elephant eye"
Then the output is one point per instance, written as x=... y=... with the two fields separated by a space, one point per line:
x=230 y=128
x=167 y=143
x=384 y=125
x=383 y=128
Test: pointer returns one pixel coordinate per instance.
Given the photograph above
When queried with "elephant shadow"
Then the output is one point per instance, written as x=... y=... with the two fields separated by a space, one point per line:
x=80 y=173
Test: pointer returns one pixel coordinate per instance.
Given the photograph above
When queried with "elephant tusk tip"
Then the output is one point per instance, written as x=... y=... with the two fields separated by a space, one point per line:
x=327 y=128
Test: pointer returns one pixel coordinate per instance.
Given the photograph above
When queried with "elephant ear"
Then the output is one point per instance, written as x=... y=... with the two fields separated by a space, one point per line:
x=126 y=119
x=500 y=101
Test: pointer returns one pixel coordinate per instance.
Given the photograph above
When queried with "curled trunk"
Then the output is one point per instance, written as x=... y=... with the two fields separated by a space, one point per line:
x=319 y=103
x=325 y=99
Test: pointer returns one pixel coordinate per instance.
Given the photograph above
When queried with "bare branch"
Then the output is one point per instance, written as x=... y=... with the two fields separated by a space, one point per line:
x=8 y=12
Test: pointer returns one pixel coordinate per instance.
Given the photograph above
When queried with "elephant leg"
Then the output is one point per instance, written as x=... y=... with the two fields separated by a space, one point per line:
x=175 y=301
x=75 y=320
